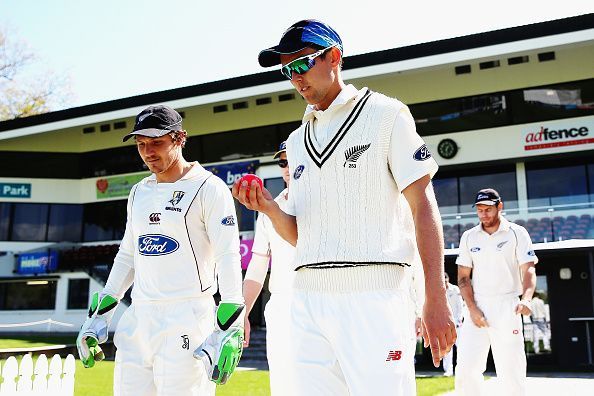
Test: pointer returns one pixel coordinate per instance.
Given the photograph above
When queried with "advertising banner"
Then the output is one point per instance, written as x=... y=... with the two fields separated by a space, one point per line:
x=37 y=263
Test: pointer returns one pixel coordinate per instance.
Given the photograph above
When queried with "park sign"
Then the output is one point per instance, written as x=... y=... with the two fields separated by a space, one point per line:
x=37 y=263
x=15 y=190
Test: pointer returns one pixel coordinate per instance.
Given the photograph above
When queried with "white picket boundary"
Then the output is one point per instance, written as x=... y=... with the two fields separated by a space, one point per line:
x=51 y=379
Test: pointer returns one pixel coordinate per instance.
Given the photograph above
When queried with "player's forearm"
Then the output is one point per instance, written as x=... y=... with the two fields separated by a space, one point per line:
x=229 y=277
x=284 y=224
x=528 y=281
x=430 y=245
x=120 y=277
x=251 y=291
x=467 y=291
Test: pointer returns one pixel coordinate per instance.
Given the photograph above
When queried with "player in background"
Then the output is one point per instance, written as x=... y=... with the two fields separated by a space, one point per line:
x=499 y=256
x=180 y=233
x=457 y=306
x=268 y=243
x=355 y=162
x=540 y=323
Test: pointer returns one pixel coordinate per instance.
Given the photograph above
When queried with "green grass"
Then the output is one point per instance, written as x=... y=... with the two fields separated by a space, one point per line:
x=98 y=381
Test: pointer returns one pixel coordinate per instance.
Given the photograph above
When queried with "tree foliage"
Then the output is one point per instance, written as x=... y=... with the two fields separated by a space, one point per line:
x=24 y=90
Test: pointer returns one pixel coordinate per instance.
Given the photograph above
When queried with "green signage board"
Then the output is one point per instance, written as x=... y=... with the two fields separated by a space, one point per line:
x=117 y=186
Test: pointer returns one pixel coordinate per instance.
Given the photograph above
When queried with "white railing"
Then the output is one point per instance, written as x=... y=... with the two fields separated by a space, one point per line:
x=52 y=379
x=545 y=223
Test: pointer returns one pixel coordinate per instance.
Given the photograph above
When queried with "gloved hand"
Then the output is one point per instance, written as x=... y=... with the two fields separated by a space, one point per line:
x=221 y=350
x=94 y=331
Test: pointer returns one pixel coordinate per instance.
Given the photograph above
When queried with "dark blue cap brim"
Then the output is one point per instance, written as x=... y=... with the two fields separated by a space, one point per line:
x=271 y=56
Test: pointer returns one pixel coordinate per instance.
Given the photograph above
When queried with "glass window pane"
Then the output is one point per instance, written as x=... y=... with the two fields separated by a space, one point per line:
x=460 y=114
x=552 y=102
x=104 y=221
x=4 y=220
x=446 y=192
x=65 y=223
x=25 y=295
x=557 y=186
x=78 y=293
x=30 y=222
x=504 y=183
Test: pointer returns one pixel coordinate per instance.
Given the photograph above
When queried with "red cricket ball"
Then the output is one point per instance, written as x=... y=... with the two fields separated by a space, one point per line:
x=249 y=178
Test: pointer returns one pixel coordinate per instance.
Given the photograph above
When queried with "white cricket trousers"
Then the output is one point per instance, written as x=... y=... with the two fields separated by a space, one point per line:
x=278 y=328
x=358 y=342
x=155 y=342
x=506 y=339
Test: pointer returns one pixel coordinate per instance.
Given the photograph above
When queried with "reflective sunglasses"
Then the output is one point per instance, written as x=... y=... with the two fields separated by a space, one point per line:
x=283 y=163
x=301 y=65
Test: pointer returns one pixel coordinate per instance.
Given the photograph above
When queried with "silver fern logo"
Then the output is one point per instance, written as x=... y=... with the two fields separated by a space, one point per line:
x=352 y=155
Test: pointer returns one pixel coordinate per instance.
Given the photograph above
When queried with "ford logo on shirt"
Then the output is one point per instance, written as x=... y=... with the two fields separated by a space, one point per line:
x=475 y=249
x=156 y=245
x=422 y=153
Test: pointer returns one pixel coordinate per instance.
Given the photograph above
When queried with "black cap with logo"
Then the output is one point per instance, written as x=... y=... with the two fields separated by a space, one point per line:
x=156 y=121
x=487 y=196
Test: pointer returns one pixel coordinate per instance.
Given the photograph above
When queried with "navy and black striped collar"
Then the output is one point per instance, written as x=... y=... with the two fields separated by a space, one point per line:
x=319 y=158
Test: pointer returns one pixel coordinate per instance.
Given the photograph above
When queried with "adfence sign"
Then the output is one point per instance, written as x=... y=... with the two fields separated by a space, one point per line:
x=37 y=263
x=15 y=190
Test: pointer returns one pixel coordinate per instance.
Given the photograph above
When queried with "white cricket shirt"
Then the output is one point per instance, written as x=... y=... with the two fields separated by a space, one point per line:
x=495 y=259
x=267 y=242
x=178 y=237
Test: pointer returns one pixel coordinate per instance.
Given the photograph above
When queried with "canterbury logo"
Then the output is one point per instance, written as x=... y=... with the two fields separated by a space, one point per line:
x=394 y=355
x=186 y=342
x=155 y=217
x=353 y=154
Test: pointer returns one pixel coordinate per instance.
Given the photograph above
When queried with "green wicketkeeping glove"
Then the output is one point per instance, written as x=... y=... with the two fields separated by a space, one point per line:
x=221 y=350
x=95 y=329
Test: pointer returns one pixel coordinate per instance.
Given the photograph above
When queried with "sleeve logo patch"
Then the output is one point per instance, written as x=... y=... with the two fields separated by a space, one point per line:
x=228 y=221
x=422 y=153
x=298 y=172
x=531 y=253
x=475 y=249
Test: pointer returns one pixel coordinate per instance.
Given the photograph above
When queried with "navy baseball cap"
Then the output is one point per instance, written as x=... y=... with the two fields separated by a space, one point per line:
x=301 y=35
x=487 y=196
x=281 y=149
x=156 y=121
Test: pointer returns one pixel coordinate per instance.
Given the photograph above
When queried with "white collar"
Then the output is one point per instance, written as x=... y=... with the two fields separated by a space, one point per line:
x=347 y=94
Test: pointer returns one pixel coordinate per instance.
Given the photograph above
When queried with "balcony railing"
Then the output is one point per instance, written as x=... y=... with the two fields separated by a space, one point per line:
x=545 y=223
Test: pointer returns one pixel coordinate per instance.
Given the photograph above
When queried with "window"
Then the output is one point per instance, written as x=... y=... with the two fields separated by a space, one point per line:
x=446 y=193
x=65 y=223
x=456 y=193
x=30 y=222
x=503 y=182
x=460 y=114
x=245 y=143
x=556 y=185
x=4 y=220
x=104 y=221
x=30 y=294
x=78 y=293
x=550 y=102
